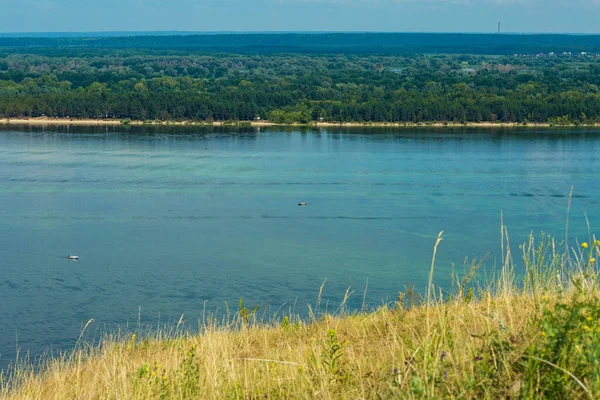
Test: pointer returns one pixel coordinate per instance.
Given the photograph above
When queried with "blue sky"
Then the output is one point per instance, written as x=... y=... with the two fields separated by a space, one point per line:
x=557 y=16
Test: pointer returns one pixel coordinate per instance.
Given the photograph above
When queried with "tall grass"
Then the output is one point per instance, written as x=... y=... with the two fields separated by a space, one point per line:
x=532 y=334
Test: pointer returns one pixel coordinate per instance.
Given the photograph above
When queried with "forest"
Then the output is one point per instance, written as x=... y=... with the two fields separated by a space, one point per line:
x=63 y=78
x=313 y=43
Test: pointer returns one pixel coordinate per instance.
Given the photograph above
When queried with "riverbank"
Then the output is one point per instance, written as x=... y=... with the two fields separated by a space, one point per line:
x=115 y=122
x=531 y=338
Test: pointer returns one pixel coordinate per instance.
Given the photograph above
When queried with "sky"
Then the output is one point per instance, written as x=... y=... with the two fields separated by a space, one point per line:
x=516 y=16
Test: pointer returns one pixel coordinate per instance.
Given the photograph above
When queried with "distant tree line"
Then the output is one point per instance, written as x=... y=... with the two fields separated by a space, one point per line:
x=298 y=88
x=321 y=43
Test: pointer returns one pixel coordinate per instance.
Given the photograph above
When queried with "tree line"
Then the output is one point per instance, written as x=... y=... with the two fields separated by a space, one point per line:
x=299 y=88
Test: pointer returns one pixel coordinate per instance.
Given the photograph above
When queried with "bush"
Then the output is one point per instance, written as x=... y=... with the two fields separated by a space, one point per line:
x=565 y=360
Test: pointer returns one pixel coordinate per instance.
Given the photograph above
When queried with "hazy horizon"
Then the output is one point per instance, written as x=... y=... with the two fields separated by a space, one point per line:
x=211 y=16
x=108 y=33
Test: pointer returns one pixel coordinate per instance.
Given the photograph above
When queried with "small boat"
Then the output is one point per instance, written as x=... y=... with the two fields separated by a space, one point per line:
x=73 y=257
x=302 y=203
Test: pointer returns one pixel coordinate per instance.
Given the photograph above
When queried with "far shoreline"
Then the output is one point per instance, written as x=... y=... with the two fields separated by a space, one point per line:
x=259 y=124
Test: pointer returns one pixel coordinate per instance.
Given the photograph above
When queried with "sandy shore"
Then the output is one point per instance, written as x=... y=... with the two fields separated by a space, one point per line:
x=113 y=122
x=58 y=121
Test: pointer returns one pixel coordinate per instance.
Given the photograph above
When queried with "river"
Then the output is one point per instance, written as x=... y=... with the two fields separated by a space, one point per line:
x=173 y=220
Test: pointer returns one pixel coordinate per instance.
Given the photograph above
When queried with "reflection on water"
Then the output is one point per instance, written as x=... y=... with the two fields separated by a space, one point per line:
x=174 y=219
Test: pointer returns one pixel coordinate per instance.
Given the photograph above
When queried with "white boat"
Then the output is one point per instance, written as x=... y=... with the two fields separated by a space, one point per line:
x=73 y=257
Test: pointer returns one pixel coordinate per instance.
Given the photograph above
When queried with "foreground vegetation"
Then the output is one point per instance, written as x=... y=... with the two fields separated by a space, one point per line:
x=535 y=337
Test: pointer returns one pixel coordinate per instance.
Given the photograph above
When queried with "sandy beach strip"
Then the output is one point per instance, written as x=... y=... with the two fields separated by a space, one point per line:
x=116 y=122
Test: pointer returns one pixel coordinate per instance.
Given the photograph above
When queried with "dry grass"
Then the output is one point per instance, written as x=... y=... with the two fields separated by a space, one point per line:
x=288 y=362
x=474 y=344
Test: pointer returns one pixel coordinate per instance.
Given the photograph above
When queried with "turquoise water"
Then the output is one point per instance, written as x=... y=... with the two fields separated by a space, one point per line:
x=175 y=221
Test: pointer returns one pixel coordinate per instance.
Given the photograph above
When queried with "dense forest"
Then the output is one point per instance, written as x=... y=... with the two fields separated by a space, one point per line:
x=63 y=78
x=317 y=43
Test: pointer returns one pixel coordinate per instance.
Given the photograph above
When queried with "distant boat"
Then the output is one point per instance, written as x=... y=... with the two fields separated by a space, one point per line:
x=302 y=203
x=73 y=257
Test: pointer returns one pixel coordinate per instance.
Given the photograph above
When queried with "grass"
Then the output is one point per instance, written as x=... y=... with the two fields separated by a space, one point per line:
x=532 y=337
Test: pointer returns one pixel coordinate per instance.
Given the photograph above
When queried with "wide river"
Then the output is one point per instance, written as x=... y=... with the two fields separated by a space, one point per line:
x=172 y=221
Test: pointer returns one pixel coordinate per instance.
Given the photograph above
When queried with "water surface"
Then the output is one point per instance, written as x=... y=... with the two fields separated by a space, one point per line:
x=177 y=220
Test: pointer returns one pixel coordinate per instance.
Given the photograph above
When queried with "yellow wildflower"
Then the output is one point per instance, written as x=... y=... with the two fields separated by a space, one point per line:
x=543 y=333
x=589 y=318
x=587 y=328
x=597 y=243
x=584 y=245
x=592 y=260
